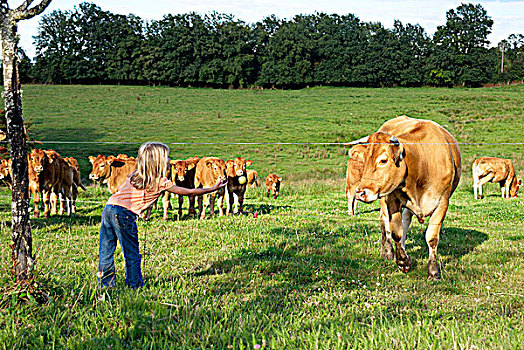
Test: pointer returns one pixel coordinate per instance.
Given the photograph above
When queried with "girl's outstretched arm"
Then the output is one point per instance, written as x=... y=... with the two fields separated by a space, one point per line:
x=196 y=191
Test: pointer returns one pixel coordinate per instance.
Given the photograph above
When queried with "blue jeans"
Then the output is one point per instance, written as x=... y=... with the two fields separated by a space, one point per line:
x=119 y=223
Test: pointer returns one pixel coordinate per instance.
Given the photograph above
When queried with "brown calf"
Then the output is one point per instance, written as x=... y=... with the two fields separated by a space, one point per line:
x=183 y=175
x=252 y=178
x=273 y=185
x=236 y=168
x=111 y=171
x=54 y=177
x=208 y=171
x=491 y=169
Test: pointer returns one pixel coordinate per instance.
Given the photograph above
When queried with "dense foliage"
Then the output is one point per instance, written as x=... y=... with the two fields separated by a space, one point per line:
x=90 y=45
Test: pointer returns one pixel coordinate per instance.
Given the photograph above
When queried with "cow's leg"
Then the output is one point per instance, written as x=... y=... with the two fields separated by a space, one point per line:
x=201 y=212
x=219 y=203
x=235 y=200
x=212 y=198
x=483 y=181
x=191 y=210
x=352 y=203
x=65 y=200
x=74 y=195
x=180 y=205
x=229 y=202
x=241 y=202
x=407 y=215
x=386 y=247
x=268 y=193
x=165 y=204
x=205 y=199
x=475 y=186
x=36 y=201
x=433 y=234
x=395 y=225
x=46 y=194
x=53 y=200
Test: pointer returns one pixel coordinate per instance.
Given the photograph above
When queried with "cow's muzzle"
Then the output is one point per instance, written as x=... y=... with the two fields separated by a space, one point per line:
x=93 y=177
x=365 y=195
x=39 y=168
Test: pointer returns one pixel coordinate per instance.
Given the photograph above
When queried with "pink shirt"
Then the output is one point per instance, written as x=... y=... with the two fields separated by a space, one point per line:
x=136 y=200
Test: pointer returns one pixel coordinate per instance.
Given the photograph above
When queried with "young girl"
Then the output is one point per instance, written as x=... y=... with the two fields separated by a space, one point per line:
x=141 y=188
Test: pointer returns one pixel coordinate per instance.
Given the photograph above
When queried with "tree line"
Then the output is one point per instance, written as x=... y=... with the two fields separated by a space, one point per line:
x=88 y=45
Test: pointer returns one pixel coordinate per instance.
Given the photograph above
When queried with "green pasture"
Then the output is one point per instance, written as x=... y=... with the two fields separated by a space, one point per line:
x=302 y=274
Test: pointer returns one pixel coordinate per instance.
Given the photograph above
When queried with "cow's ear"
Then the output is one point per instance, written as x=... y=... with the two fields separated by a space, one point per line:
x=249 y=162
x=229 y=163
x=398 y=150
x=110 y=159
x=190 y=164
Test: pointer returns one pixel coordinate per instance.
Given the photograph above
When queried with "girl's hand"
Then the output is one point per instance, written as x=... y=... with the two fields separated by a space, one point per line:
x=219 y=184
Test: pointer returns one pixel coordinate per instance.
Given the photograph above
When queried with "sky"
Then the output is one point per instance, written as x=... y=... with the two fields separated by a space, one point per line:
x=508 y=15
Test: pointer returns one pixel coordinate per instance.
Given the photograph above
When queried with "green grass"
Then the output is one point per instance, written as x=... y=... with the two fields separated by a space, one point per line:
x=302 y=274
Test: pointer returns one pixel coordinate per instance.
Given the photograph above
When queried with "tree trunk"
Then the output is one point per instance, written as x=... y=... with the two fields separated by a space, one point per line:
x=21 y=239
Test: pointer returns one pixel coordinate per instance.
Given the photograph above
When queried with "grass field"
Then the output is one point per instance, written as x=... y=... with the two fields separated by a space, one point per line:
x=303 y=274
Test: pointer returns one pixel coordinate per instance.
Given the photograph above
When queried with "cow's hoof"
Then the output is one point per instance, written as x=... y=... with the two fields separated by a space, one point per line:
x=404 y=265
x=387 y=251
x=433 y=271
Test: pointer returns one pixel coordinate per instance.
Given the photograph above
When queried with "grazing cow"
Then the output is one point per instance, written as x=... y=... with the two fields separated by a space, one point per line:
x=77 y=181
x=5 y=173
x=412 y=164
x=110 y=170
x=54 y=177
x=491 y=169
x=236 y=168
x=208 y=171
x=273 y=185
x=183 y=175
x=355 y=166
x=252 y=178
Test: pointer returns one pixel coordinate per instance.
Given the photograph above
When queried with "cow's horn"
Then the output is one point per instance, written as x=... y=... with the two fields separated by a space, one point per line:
x=356 y=142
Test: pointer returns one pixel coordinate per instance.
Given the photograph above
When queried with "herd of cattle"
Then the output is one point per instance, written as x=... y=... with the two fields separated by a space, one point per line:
x=53 y=177
x=411 y=166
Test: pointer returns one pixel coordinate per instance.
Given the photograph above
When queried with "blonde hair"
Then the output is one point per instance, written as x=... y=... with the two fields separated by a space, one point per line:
x=151 y=165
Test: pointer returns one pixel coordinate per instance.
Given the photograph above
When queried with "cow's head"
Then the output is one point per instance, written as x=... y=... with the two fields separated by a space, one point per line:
x=5 y=168
x=273 y=185
x=180 y=168
x=514 y=187
x=101 y=167
x=384 y=167
x=38 y=160
x=237 y=166
x=217 y=167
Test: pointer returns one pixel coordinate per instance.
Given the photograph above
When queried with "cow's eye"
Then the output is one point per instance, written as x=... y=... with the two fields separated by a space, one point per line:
x=382 y=161
x=102 y=165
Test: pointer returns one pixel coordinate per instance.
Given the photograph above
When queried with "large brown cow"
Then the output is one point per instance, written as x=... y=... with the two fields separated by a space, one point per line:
x=491 y=169
x=236 y=168
x=111 y=170
x=208 y=171
x=273 y=185
x=355 y=166
x=183 y=175
x=77 y=181
x=55 y=178
x=252 y=178
x=412 y=164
